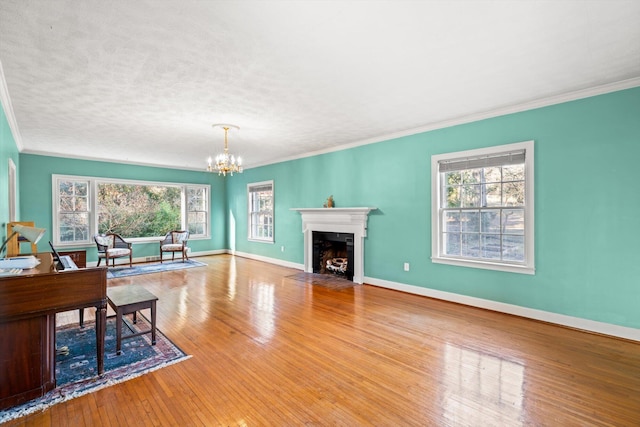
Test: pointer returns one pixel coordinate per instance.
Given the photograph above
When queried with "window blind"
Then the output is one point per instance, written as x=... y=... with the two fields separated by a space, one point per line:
x=260 y=188
x=493 y=160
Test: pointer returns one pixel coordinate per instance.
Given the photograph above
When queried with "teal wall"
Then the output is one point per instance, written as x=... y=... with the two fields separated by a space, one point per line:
x=8 y=150
x=587 y=207
x=36 y=200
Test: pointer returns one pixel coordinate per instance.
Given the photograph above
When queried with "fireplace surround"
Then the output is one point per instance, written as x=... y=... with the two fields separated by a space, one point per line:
x=336 y=220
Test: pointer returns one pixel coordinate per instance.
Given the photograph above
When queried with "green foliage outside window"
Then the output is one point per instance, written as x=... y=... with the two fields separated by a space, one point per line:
x=138 y=210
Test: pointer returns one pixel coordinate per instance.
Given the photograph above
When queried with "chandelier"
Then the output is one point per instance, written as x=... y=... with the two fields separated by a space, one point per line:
x=225 y=163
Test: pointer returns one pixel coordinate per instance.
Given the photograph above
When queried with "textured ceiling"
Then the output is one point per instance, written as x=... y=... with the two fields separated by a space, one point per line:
x=143 y=81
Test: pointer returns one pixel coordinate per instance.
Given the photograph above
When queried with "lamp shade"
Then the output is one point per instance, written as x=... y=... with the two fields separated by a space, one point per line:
x=32 y=234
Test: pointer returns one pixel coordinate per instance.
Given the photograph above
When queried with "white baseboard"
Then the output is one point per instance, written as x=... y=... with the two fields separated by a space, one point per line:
x=205 y=253
x=531 y=313
x=275 y=261
x=125 y=261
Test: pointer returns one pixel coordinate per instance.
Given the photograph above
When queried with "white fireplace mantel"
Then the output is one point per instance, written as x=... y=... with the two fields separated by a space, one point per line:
x=338 y=220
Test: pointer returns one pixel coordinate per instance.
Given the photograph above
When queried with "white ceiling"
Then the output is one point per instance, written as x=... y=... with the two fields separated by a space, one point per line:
x=143 y=81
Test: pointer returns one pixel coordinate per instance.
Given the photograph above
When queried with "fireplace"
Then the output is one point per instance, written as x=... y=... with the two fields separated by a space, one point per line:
x=348 y=223
x=333 y=253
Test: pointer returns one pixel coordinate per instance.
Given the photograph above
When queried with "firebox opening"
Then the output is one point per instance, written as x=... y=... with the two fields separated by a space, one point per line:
x=333 y=253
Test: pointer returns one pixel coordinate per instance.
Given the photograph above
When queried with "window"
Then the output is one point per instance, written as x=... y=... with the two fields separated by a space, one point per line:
x=197 y=210
x=74 y=222
x=136 y=210
x=482 y=208
x=261 y=211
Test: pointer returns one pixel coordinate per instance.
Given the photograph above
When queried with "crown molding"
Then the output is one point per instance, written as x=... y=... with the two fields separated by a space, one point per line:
x=525 y=106
x=118 y=161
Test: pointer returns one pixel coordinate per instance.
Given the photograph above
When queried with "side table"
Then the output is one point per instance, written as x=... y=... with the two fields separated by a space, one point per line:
x=130 y=299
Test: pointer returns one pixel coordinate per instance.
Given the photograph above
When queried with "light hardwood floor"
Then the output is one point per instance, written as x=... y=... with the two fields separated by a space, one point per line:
x=269 y=350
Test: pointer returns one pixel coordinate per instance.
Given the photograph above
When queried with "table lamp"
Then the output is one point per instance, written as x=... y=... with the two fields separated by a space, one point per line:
x=32 y=234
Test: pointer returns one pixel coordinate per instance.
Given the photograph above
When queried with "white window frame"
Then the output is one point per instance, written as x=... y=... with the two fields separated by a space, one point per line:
x=13 y=205
x=55 y=196
x=250 y=213
x=186 y=211
x=93 y=211
x=437 y=253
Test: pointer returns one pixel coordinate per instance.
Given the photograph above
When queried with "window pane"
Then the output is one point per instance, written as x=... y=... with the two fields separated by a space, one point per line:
x=196 y=217
x=470 y=196
x=66 y=234
x=512 y=248
x=452 y=243
x=452 y=178
x=492 y=174
x=471 y=245
x=196 y=228
x=471 y=176
x=453 y=197
x=490 y=221
x=452 y=221
x=513 y=193
x=81 y=204
x=452 y=181
x=66 y=204
x=134 y=210
x=74 y=227
x=81 y=189
x=471 y=222
x=492 y=195
x=490 y=246
x=66 y=188
x=195 y=199
x=513 y=221
x=513 y=173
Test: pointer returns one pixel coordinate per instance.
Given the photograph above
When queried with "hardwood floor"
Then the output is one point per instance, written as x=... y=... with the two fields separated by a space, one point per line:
x=271 y=350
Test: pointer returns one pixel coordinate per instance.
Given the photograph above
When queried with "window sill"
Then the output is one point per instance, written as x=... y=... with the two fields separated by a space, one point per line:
x=509 y=268
x=261 y=241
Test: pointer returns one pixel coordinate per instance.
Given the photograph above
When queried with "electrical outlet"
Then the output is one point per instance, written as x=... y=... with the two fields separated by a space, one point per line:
x=406 y=266
x=281 y=248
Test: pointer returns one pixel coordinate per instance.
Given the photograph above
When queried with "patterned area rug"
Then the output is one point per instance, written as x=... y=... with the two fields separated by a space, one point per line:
x=331 y=281
x=151 y=268
x=76 y=373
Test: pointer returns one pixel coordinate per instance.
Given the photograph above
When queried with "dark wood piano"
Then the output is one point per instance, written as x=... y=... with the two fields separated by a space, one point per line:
x=28 y=306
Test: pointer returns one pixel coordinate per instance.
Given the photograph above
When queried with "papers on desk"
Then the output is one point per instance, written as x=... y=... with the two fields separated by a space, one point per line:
x=10 y=271
x=21 y=262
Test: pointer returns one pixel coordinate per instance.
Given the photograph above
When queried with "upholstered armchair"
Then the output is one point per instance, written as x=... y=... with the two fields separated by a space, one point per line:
x=175 y=241
x=112 y=246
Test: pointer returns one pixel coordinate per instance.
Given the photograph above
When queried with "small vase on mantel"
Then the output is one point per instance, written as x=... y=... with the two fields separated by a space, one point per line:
x=329 y=202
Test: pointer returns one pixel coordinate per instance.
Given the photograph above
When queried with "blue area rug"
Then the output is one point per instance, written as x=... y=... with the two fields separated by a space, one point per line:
x=76 y=373
x=151 y=268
